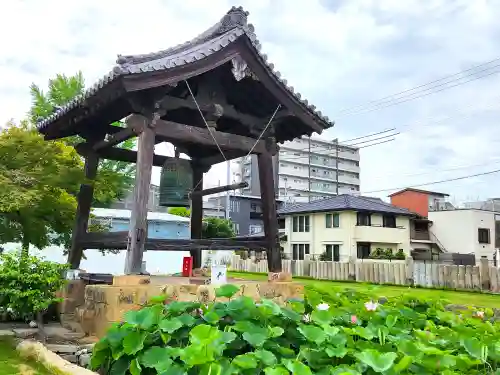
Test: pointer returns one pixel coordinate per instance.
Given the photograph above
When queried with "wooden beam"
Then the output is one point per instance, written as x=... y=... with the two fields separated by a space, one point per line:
x=138 y=230
x=218 y=158
x=84 y=200
x=172 y=103
x=197 y=212
x=174 y=132
x=219 y=189
x=118 y=241
x=116 y=138
x=269 y=213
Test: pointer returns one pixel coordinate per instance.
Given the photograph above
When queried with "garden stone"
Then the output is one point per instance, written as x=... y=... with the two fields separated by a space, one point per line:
x=87 y=347
x=24 y=333
x=62 y=348
x=70 y=358
x=84 y=360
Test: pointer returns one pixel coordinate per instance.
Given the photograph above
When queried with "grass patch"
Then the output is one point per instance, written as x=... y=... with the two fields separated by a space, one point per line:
x=12 y=364
x=454 y=297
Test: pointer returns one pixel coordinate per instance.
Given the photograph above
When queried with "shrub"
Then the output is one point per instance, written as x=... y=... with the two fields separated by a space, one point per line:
x=28 y=284
x=400 y=255
x=349 y=335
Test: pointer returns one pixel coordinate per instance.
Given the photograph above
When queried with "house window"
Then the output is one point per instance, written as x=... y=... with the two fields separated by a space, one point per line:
x=483 y=235
x=252 y=229
x=332 y=253
x=389 y=221
x=236 y=228
x=364 y=219
x=332 y=220
x=301 y=223
x=363 y=250
x=299 y=251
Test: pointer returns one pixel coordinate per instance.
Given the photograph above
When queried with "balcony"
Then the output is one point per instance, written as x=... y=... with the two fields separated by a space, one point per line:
x=420 y=235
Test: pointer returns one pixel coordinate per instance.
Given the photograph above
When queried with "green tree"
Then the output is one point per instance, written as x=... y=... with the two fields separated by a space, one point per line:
x=179 y=211
x=216 y=227
x=114 y=177
x=213 y=227
x=38 y=184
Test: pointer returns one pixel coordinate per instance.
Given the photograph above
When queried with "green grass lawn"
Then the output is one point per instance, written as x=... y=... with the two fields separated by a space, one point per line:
x=12 y=364
x=453 y=297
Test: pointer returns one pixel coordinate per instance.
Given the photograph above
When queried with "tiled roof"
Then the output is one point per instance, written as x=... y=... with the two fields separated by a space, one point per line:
x=345 y=202
x=229 y=29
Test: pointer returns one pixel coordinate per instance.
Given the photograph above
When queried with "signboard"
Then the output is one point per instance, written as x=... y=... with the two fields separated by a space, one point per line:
x=218 y=274
x=187 y=266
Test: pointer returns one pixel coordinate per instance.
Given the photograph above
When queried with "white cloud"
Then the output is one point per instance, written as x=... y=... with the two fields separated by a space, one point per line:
x=337 y=53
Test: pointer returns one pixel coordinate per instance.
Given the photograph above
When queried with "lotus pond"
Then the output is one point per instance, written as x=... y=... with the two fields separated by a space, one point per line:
x=339 y=332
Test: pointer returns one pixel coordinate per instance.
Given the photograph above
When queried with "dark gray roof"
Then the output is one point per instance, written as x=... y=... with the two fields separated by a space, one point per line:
x=230 y=28
x=345 y=202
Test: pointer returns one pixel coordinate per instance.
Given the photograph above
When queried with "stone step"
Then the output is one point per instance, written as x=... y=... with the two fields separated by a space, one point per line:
x=59 y=332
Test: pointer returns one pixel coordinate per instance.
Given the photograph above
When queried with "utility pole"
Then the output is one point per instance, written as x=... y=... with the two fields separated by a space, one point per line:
x=336 y=140
x=309 y=169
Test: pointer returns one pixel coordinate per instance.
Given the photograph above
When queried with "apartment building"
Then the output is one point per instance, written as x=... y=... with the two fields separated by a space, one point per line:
x=306 y=170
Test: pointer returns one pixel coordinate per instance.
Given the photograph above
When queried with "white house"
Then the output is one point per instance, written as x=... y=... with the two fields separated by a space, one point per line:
x=467 y=231
x=345 y=227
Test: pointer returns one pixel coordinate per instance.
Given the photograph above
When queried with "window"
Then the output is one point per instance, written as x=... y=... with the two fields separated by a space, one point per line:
x=236 y=228
x=234 y=206
x=252 y=229
x=332 y=221
x=253 y=206
x=363 y=250
x=483 y=235
x=299 y=251
x=300 y=223
x=332 y=253
x=389 y=221
x=364 y=219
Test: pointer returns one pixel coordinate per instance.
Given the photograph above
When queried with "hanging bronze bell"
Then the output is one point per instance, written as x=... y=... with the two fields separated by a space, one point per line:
x=176 y=183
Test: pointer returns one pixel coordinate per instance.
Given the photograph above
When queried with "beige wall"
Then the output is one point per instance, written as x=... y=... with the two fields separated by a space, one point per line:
x=348 y=234
x=457 y=231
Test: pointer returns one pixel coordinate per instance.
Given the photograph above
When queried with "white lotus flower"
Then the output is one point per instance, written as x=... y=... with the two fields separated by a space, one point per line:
x=371 y=306
x=323 y=306
x=306 y=318
x=10 y=310
x=480 y=314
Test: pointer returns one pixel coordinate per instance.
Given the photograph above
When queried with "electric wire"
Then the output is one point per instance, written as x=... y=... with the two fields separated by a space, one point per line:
x=433 y=182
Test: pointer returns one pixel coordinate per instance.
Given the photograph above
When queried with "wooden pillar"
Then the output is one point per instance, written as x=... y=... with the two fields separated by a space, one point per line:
x=138 y=230
x=197 y=211
x=84 y=200
x=269 y=214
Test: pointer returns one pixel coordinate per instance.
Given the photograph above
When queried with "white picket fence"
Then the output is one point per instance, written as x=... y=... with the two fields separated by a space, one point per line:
x=398 y=272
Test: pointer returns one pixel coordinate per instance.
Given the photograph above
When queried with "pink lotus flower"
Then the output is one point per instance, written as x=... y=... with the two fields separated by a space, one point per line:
x=371 y=306
x=354 y=319
x=480 y=314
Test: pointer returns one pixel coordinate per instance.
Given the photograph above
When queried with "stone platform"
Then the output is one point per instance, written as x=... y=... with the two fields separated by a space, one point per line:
x=96 y=307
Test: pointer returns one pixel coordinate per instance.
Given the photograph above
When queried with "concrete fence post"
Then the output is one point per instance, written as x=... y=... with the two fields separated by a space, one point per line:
x=484 y=274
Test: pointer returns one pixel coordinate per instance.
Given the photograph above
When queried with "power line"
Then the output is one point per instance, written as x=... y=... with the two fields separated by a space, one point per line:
x=370 y=135
x=433 y=182
x=496 y=161
x=421 y=96
x=410 y=92
x=374 y=139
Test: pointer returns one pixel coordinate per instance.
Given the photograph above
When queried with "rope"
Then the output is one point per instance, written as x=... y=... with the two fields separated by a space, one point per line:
x=213 y=137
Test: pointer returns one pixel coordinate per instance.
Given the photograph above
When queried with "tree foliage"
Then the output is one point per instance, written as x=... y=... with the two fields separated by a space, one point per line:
x=38 y=184
x=179 y=211
x=28 y=284
x=115 y=178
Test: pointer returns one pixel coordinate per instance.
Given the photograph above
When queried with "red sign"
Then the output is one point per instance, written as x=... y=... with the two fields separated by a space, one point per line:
x=187 y=266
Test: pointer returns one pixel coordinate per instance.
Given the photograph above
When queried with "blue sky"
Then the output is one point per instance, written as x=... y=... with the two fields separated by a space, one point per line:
x=336 y=53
